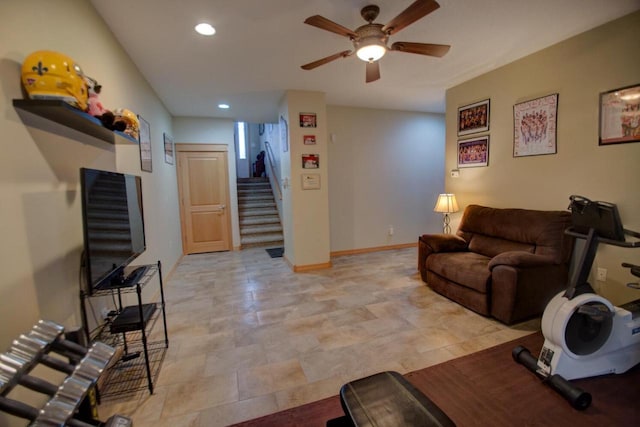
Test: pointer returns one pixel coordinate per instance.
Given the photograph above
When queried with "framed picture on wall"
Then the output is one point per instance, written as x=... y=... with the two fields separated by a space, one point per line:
x=310 y=161
x=168 y=149
x=308 y=120
x=620 y=116
x=473 y=118
x=145 y=145
x=284 y=134
x=473 y=152
x=535 y=124
x=309 y=139
x=311 y=181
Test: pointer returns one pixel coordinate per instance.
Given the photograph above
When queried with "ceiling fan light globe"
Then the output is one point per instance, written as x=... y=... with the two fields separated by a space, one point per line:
x=371 y=52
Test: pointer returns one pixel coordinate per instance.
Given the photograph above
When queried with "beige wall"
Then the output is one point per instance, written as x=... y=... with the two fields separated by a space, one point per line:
x=578 y=69
x=40 y=218
x=305 y=213
x=201 y=130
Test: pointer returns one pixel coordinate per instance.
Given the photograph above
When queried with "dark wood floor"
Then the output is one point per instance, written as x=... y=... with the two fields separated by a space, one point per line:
x=489 y=388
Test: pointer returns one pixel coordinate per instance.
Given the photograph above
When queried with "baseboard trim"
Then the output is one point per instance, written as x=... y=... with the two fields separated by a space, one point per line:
x=373 y=249
x=309 y=267
x=167 y=276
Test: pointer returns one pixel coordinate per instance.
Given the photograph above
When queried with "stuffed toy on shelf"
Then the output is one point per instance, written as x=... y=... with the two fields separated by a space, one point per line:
x=96 y=109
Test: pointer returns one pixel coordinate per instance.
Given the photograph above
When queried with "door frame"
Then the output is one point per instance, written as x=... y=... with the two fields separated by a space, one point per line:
x=189 y=147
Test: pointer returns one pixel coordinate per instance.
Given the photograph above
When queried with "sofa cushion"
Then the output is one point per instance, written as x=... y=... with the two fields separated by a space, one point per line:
x=468 y=269
x=492 y=246
x=539 y=232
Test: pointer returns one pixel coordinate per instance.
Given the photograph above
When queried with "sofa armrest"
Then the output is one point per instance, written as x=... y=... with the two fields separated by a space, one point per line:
x=521 y=259
x=443 y=242
x=431 y=243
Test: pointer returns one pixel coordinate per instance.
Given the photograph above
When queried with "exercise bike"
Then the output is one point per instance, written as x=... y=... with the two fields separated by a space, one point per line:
x=585 y=334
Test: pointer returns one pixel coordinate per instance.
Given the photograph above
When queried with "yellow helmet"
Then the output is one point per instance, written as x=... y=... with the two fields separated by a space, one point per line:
x=52 y=75
x=131 y=120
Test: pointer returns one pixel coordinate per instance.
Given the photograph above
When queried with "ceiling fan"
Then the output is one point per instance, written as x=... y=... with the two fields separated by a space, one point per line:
x=370 y=40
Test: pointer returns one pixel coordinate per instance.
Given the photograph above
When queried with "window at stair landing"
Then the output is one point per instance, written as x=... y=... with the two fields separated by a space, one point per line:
x=242 y=141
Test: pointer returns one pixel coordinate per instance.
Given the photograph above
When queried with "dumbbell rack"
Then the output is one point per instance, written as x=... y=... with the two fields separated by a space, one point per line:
x=83 y=370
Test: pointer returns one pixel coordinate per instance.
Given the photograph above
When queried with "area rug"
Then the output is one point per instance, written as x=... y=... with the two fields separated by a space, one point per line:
x=275 y=252
x=489 y=388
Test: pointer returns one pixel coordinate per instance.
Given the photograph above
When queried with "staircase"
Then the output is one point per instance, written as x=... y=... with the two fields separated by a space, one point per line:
x=259 y=220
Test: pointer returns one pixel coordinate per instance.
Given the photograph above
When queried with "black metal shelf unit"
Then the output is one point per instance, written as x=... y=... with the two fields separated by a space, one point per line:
x=66 y=115
x=141 y=345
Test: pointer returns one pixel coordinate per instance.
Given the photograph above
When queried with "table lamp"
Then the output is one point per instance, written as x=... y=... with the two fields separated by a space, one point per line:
x=446 y=204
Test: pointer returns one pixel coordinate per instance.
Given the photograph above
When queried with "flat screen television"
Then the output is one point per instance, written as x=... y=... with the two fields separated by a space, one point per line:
x=113 y=225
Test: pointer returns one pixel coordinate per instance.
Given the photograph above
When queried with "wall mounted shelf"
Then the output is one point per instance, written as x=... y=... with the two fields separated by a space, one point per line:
x=66 y=115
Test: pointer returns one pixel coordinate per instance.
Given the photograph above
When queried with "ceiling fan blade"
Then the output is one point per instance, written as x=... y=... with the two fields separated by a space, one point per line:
x=438 y=50
x=373 y=71
x=319 y=62
x=326 y=24
x=419 y=9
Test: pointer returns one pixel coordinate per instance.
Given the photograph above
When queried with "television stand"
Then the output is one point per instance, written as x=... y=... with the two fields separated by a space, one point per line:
x=130 y=319
x=132 y=329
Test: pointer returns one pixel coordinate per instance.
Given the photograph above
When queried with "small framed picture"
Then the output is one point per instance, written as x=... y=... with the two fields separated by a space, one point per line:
x=310 y=161
x=311 y=181
x=473 y=152
x=145 y=145
x=308 y=120
x=620 y=116
x=534 y=126
x=473 y=118
x=309 y=139
x=168 y=149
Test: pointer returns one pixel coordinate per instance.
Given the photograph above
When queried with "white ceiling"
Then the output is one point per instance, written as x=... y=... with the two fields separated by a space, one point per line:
x=260 y=44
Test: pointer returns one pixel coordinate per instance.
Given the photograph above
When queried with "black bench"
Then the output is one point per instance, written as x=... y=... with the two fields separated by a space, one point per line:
x=387 y=399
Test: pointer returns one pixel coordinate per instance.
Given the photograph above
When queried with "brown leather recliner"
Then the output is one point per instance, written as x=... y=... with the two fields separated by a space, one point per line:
x=505 y=263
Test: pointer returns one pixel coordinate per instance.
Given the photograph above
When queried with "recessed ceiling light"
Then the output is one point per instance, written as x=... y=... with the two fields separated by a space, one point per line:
x=223 y=106
x=205 y=29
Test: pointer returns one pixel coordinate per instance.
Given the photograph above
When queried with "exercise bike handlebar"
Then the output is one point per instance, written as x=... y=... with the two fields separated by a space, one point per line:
x=636 y=244
x=635 y=269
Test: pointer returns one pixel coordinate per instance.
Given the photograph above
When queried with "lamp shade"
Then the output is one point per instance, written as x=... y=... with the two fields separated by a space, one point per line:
x=446 y=203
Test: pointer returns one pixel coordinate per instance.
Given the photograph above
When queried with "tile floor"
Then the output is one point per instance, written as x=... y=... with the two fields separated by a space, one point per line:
x=248 y=337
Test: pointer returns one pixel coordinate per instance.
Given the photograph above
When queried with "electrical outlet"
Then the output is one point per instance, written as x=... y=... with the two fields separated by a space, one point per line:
x=391 y=230
x=602 y=275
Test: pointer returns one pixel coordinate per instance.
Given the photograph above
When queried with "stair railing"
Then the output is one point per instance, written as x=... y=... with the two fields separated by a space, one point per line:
x=272 y=169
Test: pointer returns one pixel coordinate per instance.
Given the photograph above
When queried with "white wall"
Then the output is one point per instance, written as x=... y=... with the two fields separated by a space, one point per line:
x=386 y=168
x=579 y=69
x=190 y=130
